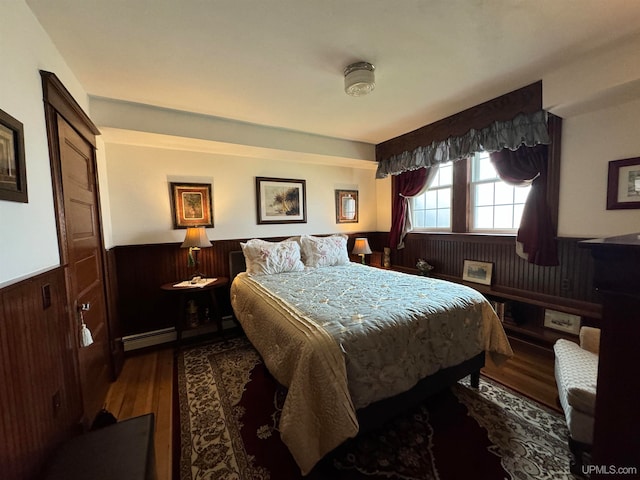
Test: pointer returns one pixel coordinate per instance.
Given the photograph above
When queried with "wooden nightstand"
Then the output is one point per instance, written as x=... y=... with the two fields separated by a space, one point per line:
x=199 y=292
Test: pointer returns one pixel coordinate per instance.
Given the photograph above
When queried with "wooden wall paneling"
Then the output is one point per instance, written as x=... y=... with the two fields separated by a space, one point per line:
x=447 y=252
x=37 y=364
x=142 y=269
x=116 y=347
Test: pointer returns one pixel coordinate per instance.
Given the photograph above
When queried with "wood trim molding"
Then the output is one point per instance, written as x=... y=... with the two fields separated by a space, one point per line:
x=460 y=196
x=57 y=96
x=524 y=100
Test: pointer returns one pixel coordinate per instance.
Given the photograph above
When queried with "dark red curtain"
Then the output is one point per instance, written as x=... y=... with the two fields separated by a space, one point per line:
x=406 y=184
x=536 y=235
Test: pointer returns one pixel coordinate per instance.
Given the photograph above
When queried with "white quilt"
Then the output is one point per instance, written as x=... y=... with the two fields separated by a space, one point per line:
x=342 y=337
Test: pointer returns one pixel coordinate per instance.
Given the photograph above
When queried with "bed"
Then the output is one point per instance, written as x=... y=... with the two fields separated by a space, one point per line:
x=352 y=342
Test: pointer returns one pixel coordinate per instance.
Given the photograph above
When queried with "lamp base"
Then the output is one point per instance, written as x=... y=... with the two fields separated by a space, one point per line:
x=196 y=276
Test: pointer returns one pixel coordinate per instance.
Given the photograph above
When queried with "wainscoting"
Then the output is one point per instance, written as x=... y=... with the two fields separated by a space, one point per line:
x=571 y=280
x=40 y=395
x=142 y=269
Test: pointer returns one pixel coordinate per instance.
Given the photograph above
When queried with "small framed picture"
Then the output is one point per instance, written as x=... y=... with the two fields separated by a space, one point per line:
x=346 y=206
x=191 y=205
x=477 y=272
x=13 y=170
x=280 y=200
x=623 y=187
x=563 y=322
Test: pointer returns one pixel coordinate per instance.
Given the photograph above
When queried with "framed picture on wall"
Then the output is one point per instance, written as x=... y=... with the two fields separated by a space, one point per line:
x=623 y=187
x=477 y=272
x=191 y=205
x=13 y=170
x=280 y=200
x=346 y=206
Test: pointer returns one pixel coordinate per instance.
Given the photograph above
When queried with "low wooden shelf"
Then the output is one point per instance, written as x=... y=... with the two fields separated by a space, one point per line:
x=529 y=323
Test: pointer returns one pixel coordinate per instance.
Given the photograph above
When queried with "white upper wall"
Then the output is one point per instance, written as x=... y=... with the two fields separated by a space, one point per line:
x=148 y=147
x=28 y=237
x=598 y=96
x=140 y=201
x=589 y=142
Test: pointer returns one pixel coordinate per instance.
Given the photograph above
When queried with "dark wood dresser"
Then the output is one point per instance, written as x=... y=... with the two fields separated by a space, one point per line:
x=617 y=417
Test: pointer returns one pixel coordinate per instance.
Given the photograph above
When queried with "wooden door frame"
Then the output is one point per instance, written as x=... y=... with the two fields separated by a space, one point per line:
x=58 y=101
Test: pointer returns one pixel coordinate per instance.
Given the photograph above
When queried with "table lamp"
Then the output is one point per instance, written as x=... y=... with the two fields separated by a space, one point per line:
x=194 y=240
x=361 y=247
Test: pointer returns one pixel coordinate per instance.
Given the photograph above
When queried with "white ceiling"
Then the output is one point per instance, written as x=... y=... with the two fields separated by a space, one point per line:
x=280 y=62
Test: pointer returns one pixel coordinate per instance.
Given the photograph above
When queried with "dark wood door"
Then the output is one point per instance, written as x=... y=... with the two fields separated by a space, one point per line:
x=84 y=268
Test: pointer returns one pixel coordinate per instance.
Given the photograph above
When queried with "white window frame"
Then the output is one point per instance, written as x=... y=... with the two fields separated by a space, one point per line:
x=473 y=184
x=432 y=189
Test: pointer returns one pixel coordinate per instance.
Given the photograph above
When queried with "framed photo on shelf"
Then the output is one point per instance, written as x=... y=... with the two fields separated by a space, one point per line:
x=346 y=206
x=563 y=322
x=191 y=205
x=477 y=272
x=623 y=186
x=280 y=200
x=13 y=169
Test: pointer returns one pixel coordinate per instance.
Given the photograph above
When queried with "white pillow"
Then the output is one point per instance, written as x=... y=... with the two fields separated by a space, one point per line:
x=324 y=251
x=265 y=258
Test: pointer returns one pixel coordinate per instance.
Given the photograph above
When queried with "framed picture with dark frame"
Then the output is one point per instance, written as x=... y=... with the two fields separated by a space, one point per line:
x=13 y=169
x=191 y=205
x=346 y=206
x=623 y=187
x=477 y=272
x=280 y=200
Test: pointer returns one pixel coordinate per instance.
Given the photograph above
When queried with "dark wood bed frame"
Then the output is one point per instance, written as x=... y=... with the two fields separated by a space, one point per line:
x=375 y=415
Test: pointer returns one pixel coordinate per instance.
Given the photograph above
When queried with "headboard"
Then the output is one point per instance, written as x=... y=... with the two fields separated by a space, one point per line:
x=236 y=264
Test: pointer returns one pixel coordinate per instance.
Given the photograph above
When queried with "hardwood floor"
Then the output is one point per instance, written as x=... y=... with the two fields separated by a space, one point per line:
x=530 y=372
x=146 y=385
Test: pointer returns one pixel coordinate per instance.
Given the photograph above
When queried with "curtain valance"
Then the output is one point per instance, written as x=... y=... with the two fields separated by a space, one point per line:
x=524 y=129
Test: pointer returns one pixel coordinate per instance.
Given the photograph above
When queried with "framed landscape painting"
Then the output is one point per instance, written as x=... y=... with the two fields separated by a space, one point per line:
x=477 y=272
x=280 y=200
x=13 y=171
x=191 y=205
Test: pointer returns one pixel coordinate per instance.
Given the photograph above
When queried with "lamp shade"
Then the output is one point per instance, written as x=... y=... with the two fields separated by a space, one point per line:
x=361 y=247
x=196 y=237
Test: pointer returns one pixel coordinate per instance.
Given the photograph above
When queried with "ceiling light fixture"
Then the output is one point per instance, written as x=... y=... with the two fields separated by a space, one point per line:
x=359 y=79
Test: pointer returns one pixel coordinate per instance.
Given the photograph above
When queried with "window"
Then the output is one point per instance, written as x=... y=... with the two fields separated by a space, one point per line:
x=432 y=208
x=494 y=205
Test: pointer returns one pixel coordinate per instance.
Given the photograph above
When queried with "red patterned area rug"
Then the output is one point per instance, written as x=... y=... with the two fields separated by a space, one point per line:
x=229 y=408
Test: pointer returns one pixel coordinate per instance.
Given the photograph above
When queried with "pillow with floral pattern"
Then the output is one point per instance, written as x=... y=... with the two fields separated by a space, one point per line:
x=266 y=258
x=324 y=251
